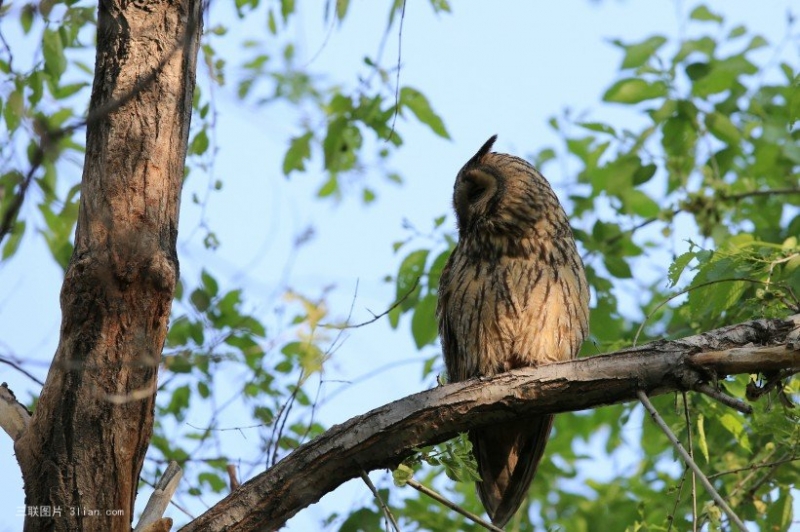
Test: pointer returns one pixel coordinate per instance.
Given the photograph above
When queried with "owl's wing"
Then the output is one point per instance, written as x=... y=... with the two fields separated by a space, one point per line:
x=453 y=358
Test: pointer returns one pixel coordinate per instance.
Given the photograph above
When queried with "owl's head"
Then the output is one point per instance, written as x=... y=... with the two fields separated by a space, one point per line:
x=503 y=195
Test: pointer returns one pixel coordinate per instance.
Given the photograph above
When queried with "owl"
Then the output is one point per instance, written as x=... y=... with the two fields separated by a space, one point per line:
x=512 y=294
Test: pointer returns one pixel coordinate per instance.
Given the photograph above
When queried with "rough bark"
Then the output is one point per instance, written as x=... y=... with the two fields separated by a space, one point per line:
x=82 y=452
x=382 y=437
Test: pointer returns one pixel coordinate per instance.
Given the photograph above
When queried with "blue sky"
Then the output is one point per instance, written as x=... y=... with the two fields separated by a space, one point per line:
x=488 y=68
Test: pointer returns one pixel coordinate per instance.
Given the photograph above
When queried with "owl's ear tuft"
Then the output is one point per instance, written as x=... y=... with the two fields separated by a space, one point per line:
x=483 y=152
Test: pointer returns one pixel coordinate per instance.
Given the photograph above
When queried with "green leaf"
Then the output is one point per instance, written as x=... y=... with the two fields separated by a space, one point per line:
x=53 y=50
x=757 y=42
x=178 y=364
x=12 y=112
x=65 y=91
x=287 y=8
x=298 y=153
x=721 y=127
x=780 y=514
x=199 y=143
x=678 y=266
x=703 y=45
x=330 y=187
x=702 y=442
x=735 y=426
x=637 y=55
x=416 y=102
x=724 y=75
x=423 y=323
x=634 y=90
x=704 y=14
x=213 y=481
x=738 y=31
x=618 y=267
x=368 y=196
x=616 y=176
x=200 y=300
x=26 y=17
x=402 y=475
x=596 y=126
x=639 y=203
x=644 y=173
x=179 y=402
x=14 y=238
x=408 y=275
x=435 y=273
x=209 y=283
x=697 y=71
x=341 y=8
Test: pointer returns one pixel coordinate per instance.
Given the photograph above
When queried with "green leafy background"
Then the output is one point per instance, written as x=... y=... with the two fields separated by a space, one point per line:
x=298 y=308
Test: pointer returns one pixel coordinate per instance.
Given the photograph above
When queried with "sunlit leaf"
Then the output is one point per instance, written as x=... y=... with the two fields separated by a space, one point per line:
x=634 y=90
x=418 y=104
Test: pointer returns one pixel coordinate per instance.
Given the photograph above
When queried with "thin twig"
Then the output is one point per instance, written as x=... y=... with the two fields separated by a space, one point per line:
x=753 y=467
x=629 y=232
x=397 y=79
x=768 y=192
x=691 y=454
x=375 y=317
x=691 y=463
x=724 y=398
x=671 y=516
x=277 y=429
x=750 y=494
x=453 y=506
x=384 y=507
x=747 y=478
x=31 y=376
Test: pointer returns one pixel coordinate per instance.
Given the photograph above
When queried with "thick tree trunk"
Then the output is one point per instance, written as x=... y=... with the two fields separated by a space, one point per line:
x=83 y=450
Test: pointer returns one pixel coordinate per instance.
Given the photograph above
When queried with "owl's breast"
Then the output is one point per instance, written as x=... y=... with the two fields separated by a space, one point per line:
x=514 y=312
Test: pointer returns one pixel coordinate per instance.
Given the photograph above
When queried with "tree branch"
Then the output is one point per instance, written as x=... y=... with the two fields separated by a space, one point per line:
x=690 y=462
x=383 y=437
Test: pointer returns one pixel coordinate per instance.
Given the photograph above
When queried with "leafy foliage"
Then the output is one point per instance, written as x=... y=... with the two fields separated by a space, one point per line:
x=715 y=158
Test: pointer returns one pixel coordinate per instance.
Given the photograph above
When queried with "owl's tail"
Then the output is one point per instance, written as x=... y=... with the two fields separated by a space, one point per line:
x=507 y=456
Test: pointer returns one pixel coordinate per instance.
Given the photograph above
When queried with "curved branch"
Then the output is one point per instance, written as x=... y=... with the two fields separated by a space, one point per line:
x=383 y=437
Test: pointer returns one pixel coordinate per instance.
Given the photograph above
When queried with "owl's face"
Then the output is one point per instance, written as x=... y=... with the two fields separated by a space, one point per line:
x=501 y=195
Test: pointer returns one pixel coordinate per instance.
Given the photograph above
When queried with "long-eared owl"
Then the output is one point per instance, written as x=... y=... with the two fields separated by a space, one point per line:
x=513 y=294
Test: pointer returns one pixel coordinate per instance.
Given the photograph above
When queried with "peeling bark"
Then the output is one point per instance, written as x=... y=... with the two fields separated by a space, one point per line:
x=82 y=452
x=383 y=437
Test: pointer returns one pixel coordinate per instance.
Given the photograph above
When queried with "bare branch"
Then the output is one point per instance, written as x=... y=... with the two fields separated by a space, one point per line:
x=14 y=417
x=383 y=437
x=159 y=500
x=690 y=462
x=723 y=398
x=375 y=317
x=767 y=192
x=450 y=504
x=232 y=476
x=17 y=366
x=384 y=507
x=691 y=453
x=753 y=467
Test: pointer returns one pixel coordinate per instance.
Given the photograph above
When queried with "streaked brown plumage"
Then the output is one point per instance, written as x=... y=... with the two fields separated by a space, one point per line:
x=512 y=294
